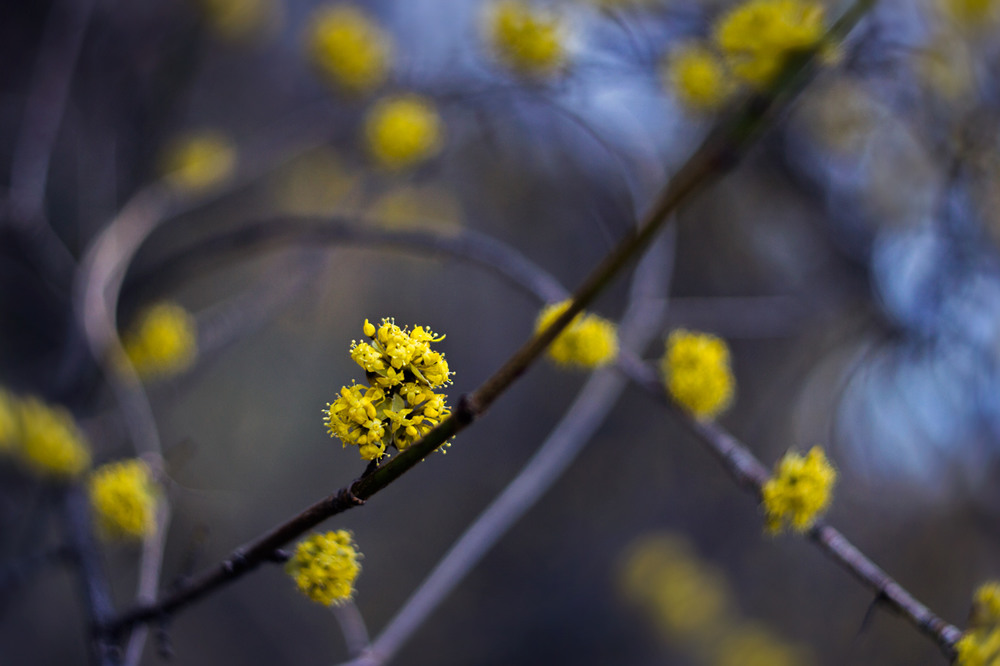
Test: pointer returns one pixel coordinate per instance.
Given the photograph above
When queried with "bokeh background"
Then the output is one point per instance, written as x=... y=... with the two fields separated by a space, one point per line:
x=851 y=262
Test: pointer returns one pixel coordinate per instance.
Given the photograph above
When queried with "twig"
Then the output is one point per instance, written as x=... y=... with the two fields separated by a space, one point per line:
x=96 y=593
x=641 y=322
x=466 y=246
x=352 y=625
x=43 y=111
x=149 y=580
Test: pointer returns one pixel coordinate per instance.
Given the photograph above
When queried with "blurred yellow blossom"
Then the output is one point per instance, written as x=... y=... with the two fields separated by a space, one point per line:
x=403 y=131
x=318 y=183
x=349 y=48
x=324 y=567
x=51 y=443
x=698 y=77
x=696 y=371
x=946 y=66
x=123 y=497
x=530 y=41
x=589 y=341
x=757 y=36
x=239 y=20
x=685 y=598
x=412 y=206
x=198 y=160
x=800 y=490
x=752 y=644
x=163 y=341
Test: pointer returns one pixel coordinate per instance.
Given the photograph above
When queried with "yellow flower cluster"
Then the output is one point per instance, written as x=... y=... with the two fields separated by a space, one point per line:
x=123 y=497
x=351 y=50
x=399 y=407
x=198 y=161
x=588 y=341
x=980 y=644
x=529 y=41
x=324 y=567
x=403 y=131
x=163 y=341
x=753 y=41
x=758 y=36
x=697 y=374
x=698 y=77
x=799 y=492
x=48 y=440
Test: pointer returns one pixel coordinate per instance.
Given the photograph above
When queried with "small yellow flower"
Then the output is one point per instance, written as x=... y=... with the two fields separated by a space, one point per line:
x=698 y=77
x=163 y=342
x=589 y=341
x=757 y=36
x=697 y=373
x=403 y=131
x=198 y=161
x=51 y=443
x=529 y=41
x=799 y=492
x=349 y=48
x=979 y=647
x=324 y=567
x=123 y=497
x=986 y=605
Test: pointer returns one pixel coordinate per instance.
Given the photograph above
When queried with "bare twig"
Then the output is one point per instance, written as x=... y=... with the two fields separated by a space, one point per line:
x=43 y=111
x=352 y=625
x=96 y=593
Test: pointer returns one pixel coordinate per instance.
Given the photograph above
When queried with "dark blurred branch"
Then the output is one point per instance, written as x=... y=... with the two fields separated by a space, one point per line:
x=43 y=111
x=720 y=152
x=465 y=246
x=94 y=583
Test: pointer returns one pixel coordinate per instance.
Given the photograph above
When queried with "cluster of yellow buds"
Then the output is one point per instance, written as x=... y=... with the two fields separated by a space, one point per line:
x=751 y=43
x=529 y=41
x=46 y=438
x=399 y=406
x=800 y=490
x=123 y=497
x=163 y=341
x=324 y=567
x=980 y=644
